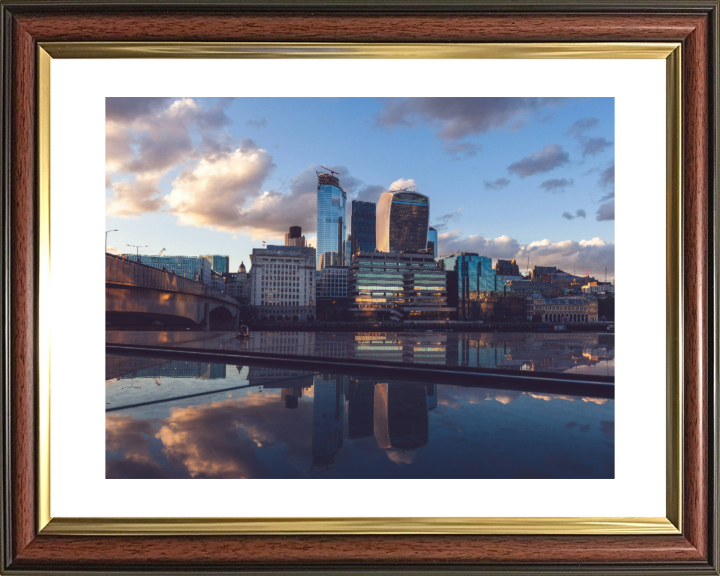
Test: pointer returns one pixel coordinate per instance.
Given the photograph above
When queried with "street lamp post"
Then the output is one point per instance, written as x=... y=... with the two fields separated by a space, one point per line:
x=106 y=233
x=137 y=250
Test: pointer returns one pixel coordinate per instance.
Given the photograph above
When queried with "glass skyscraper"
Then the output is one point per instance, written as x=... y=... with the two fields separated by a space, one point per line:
x=402 y=222
x=433 y=241
x=348 y=250
x=468 y=275
x=362 y=227
x=331 y=210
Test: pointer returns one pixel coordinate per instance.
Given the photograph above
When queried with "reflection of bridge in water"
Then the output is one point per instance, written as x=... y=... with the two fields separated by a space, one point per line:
x=136 y=294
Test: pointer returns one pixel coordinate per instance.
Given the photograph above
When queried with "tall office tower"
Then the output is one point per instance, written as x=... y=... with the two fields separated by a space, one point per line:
x=219 y=264
x=362 y=220
x=402 y=222
x=331 y=210
x=295 y=237
x=433 y=241
x=348 y=250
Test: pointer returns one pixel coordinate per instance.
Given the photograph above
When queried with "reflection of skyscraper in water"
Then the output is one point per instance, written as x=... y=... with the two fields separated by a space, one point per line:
x=290 y=397
x=401 y=416
x=214 y=372
x=431 y=396
x=328 y=405
x=361 y=403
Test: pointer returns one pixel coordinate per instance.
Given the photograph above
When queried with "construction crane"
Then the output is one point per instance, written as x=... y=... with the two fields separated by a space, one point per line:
x=162 y=252
x=331 y=171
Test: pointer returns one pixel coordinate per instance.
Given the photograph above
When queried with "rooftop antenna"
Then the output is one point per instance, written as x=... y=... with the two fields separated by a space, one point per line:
x=605 y=273
x=331 y=171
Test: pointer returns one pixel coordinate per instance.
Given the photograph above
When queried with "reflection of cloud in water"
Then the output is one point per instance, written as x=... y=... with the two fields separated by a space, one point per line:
x=216 y=440
x=548 y=397
x=132 y=439
x=599 y=401
x=400 y=457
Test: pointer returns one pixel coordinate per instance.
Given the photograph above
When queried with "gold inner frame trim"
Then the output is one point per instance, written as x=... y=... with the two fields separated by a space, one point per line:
x=671 y=52
x=327 y=526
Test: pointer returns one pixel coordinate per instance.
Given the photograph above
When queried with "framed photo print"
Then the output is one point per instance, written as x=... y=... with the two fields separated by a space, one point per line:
x=356 y=309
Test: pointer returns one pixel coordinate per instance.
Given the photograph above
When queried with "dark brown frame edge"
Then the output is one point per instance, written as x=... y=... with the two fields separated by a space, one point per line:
x=24 y=24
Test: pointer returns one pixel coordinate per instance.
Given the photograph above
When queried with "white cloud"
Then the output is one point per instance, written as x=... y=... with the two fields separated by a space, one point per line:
x=593 y=255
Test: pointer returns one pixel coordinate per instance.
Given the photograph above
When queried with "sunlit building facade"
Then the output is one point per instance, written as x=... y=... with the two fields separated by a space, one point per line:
x=561 y=309
x=283 y=283
x=331 y=225
x=294 y=237
x=402 y=222
x=390 y=286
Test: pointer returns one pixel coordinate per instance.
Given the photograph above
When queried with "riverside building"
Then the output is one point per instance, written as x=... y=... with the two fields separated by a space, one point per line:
x=237 y=284
x=469 y=278
x=331 y=225
x=561 y=309
x=332 y=282
x=397 y=286
x=402 y=222
x=283 y=283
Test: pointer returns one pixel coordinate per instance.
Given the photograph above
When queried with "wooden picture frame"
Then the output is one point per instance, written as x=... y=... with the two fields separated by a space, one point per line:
x=28 y=547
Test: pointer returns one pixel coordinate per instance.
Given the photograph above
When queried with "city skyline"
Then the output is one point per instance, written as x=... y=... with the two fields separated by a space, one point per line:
x=215 y=176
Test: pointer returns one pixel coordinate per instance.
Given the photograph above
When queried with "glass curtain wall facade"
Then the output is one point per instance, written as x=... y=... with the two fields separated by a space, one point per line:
x=433 y=241
x=348 y=250
x=362 y=227
x=402 y=222
x=220 y=264
x=192 y=267
x=469 y=277
x=331 y=225
x=404 y=287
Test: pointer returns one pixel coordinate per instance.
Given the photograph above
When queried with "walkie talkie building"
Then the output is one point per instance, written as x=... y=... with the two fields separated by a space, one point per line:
x=331 y=210
x=402 y=222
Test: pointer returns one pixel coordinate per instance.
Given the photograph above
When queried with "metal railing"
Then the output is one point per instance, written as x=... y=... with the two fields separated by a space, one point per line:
x=129 y=273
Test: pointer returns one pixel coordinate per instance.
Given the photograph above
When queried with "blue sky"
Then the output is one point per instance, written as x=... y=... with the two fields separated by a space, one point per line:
x=506 y=177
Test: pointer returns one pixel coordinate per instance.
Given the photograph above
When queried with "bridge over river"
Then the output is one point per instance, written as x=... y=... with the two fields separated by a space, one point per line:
x=137 y=294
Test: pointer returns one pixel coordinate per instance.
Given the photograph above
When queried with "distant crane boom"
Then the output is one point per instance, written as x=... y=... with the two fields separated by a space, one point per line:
x=331 y=171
